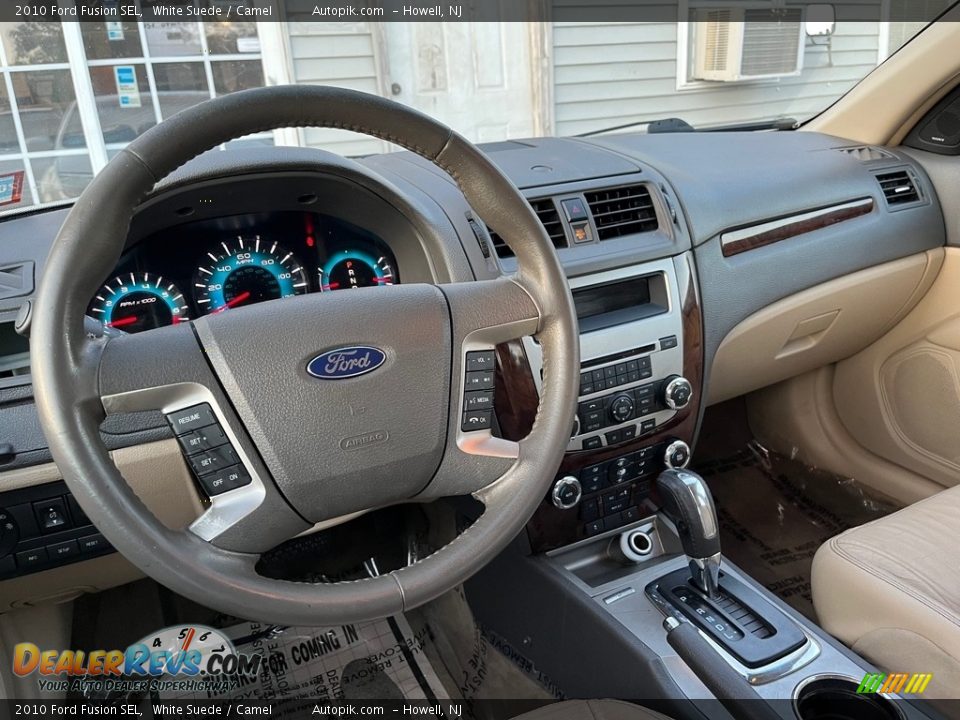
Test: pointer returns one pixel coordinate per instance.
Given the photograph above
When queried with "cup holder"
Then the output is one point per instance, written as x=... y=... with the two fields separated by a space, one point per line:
x=833 y=697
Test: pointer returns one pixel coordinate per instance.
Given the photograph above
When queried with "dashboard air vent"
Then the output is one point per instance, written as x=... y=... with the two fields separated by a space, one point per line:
x=898 y=187
x=866 y=153
x=546 y=210
x=622 y=211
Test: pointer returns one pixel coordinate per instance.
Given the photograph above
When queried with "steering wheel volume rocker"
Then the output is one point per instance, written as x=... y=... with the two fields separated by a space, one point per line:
x=478 y=393
x=207 y=449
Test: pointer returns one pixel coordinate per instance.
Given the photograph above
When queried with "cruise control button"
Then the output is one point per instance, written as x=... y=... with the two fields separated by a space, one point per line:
x=213 y=460
x=202 y=439
x=480 y=360
x=482 y=380
x=191 y=418
x=477 y=420
x=224 y=480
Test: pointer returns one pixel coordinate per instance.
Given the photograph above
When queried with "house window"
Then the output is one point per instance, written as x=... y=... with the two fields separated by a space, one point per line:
x=57 y=127
x=740 y=43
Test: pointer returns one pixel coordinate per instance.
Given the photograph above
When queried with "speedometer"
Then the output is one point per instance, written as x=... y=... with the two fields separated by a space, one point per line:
x=139 y=301
x=246 y=271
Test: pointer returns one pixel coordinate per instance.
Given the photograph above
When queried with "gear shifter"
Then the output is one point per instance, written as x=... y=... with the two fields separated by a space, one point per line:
x=688 y=502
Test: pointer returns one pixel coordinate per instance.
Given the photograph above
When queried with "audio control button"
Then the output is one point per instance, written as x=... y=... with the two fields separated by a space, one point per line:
x=622 y=408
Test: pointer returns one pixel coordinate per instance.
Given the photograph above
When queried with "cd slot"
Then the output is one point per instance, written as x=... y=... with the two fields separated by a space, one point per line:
x=617 y=356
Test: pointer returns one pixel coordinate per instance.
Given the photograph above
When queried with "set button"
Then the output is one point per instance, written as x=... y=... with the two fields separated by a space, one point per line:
x=203 y=439
x=213 y=460
x=208 y=450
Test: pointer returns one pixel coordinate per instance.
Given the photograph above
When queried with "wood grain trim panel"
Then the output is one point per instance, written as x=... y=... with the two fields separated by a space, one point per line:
x=738 y=241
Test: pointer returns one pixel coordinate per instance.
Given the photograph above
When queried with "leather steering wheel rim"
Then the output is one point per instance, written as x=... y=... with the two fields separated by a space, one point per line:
x=68 y=376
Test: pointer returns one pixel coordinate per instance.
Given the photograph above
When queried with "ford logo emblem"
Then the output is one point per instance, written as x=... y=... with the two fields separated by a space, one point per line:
x=346 y=362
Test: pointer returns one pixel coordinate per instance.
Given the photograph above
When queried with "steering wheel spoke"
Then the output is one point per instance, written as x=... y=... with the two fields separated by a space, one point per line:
x=245 y=511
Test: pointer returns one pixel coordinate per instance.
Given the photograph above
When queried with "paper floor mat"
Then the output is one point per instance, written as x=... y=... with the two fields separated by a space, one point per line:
x=381 y=660
x=775 y=514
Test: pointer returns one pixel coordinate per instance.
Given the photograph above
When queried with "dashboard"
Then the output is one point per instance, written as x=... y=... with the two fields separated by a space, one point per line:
x=665 y=264
x=213 y=265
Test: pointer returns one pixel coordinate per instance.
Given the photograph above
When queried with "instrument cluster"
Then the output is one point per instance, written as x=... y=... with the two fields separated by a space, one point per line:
x=211 y=266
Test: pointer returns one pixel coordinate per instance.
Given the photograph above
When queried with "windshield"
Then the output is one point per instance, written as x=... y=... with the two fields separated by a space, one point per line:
x=73 y=93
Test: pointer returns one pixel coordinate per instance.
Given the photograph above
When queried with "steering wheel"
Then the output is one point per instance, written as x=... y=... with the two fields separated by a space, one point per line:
x=310 y=449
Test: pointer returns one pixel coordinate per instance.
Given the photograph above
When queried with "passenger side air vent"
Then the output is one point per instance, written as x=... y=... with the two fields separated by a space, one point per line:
x=622 y=211
x=866 y=153
x=899 y=187
x=546 y=210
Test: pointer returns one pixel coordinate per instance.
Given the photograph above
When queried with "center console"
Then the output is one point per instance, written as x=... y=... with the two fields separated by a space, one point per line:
x=621 y=565
x=641 y=360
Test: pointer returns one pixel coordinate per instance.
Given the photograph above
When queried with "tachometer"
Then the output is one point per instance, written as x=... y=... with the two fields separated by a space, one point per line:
x=139 y=301
x=247 y=271
x=347 y=269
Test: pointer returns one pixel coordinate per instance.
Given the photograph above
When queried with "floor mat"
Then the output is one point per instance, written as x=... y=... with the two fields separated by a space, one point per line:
x=384 y=659
x=775 y=512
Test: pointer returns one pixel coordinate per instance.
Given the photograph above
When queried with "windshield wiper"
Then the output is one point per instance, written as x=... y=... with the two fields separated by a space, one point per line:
x=673 y=125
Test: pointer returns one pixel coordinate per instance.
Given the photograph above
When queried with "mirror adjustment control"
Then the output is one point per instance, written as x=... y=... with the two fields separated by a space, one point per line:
x=566 y=493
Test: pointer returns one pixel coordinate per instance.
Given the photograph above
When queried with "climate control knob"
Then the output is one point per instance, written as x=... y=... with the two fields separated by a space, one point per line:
x=676 y=392
x=677 y=455
x=622 y=408
x=566 y=492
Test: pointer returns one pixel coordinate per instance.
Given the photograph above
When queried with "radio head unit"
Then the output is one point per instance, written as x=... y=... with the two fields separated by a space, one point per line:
x=631 y=349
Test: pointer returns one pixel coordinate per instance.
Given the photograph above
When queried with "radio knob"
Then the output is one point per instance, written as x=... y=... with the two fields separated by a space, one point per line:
x=621 y=408
x=676 y=392
x=566 y=492
x=677 y=455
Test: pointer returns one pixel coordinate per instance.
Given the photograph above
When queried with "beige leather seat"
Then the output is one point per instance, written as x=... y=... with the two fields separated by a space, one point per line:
x=891 y=590
x=592 y=710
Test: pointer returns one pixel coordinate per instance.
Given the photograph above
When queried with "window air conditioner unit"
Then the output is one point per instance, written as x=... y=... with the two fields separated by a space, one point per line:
x=734 y=44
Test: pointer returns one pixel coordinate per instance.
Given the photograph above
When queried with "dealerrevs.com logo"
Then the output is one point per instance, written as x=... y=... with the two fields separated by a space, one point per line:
x=174 y=654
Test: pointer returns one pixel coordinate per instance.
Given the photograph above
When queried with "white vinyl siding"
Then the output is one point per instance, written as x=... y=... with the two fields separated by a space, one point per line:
x=607 y=74
x=342 y=55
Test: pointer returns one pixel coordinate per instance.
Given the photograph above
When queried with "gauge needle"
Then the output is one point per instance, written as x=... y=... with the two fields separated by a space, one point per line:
x=245 y=295
x=128 y=320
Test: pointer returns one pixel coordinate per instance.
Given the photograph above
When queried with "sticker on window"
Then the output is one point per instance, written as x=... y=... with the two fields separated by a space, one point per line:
x=11 y=187
x=128 y=91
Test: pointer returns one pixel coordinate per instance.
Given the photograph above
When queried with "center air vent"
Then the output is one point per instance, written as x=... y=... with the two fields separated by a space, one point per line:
x=622 y=211
x=898 y=187
x=549 y=217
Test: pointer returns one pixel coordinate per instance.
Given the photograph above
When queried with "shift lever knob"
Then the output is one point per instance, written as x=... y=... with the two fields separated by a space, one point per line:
x=688 y=502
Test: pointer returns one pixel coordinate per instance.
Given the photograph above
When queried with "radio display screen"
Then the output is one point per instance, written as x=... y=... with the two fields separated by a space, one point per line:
x=603 y=299
x=601 y=306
